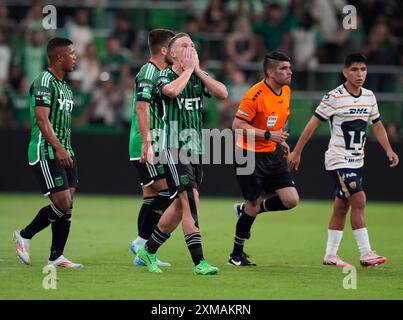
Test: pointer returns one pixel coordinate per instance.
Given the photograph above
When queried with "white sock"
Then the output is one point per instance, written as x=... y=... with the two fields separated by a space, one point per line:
x=333 y=241
x=139 y=241
x=362 y=239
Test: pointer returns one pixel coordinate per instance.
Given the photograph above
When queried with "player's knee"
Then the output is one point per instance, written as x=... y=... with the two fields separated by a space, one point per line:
x=64 y=204
x=291 y=201
x=358 y=204
x=358 y=201
x=252 y=207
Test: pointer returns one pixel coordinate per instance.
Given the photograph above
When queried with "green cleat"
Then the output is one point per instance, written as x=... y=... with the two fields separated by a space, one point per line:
x=150 y=259
x=203 y=268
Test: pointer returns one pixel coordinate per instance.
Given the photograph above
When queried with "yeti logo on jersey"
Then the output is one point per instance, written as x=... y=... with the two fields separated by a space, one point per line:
x=190 y=103
x=66 y=103
x=271 y=121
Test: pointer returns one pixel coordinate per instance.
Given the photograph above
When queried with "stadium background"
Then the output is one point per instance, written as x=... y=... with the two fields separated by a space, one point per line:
x=231 y=38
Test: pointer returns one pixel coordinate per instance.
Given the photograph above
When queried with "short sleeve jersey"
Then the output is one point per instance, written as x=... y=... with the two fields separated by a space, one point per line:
x=348 y=116
x=263 y=109
x=49 y=91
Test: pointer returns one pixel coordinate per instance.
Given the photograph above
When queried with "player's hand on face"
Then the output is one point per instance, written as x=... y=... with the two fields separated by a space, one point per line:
x=197 y=61
x=147 y=154
x=64 y=157
x=188 y=61
x=293 y=160
x=279 y=136
x=393 y=158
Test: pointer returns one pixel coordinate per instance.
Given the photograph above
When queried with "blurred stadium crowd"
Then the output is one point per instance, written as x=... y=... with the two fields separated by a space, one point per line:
x=231 y=37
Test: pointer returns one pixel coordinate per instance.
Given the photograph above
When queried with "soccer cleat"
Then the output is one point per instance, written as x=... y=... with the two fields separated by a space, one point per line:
x=371 y=259
x=22 y=247
x=63 y=262
x=204 y=268
x=150 y=260
x=240 y=259
x=238 y=209
x=138 y=262
x=334 y=261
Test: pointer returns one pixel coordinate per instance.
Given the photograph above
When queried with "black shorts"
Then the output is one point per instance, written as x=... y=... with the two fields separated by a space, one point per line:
x=346 y=181
x=270 y=174
x=53 y=177
x=149 y=173
x=182 y=176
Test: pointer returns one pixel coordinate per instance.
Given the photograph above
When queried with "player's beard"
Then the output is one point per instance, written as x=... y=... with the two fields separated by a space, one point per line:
x=168 y=60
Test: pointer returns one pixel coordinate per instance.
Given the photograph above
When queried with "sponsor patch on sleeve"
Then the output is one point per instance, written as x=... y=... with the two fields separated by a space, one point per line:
x=243 y=113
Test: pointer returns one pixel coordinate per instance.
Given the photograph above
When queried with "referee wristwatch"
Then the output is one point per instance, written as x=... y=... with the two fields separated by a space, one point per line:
x=267 y=135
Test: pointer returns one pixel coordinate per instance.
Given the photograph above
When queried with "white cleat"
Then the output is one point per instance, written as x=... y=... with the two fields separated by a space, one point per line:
x=22 y=247
x=63 y=262
x=335 y=261
x=138 y=262
x=371 y=259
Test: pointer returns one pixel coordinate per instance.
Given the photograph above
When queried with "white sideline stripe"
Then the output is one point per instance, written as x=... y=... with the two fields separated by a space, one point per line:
x=45 y=175
x=46 y=166
x=173 y=168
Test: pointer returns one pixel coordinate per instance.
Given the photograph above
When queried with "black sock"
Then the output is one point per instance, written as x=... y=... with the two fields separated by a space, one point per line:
x=144 y=219
x=155 y=210
x=194 y=244
x=60 y=233
x=156 y=240
x=272 y=203
x=44 y=218
x=243 y=226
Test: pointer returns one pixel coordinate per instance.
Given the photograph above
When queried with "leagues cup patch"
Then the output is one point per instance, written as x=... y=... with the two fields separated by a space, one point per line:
x=271 y=121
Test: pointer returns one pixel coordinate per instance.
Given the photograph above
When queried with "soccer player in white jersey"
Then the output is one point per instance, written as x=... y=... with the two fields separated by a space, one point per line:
x=348 y=108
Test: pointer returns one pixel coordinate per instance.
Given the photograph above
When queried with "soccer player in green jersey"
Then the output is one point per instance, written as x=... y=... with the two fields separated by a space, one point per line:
x=50 y=153
x=156 y=196
x=180 y=89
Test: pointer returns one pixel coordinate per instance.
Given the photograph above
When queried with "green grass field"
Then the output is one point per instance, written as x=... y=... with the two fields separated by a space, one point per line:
x=288 y=248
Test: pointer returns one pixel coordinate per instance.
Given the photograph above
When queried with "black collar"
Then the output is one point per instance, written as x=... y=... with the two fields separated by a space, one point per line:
x=355 y=96
x=274 y=92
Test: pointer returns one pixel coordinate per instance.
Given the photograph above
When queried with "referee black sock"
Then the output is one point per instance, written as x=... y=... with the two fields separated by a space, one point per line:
x=154 y=212
x=243 y=227
x=44 y=218
x=143 y=220
x=156 y=240
x=194 y=244
x=60 y=233
x=272 y=203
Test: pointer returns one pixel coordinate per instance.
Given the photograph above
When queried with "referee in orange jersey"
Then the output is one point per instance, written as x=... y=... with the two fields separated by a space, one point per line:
x=265 y=109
